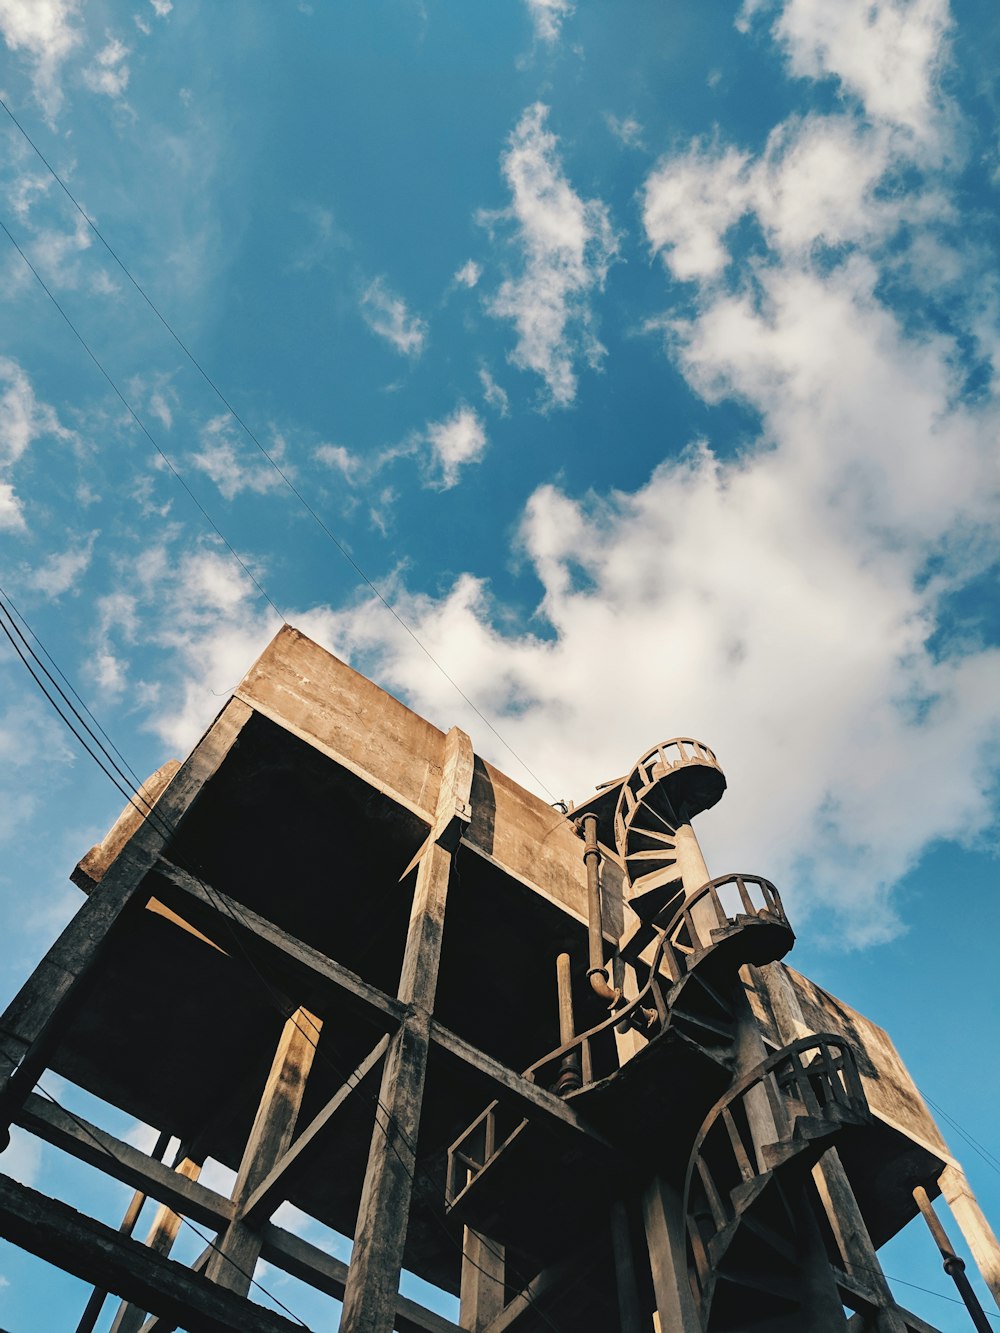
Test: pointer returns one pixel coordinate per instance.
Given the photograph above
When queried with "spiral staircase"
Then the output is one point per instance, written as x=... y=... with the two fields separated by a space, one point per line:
x=513 y=1178
x=671 y=784
x=743 y=1187
x=504 y=1161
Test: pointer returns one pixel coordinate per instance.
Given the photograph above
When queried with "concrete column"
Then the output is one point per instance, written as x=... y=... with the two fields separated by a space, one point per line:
x=973 y=1225
x=235 y=1257
x=857 y=1251
x=662 y=1215
x=35 y=1019
x=482 y=1292
x=383 y=1215
x=162 y=1234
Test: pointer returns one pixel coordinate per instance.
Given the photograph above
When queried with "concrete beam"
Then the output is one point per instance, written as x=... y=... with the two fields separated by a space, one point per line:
x=100 y=1255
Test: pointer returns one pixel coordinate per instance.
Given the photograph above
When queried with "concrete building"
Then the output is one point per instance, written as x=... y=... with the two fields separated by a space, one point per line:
x=540 y=1058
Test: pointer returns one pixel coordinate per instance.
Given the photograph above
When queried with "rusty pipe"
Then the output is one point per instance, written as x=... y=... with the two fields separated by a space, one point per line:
x=597 y=973
x=953 y=1265
x=570 y=1077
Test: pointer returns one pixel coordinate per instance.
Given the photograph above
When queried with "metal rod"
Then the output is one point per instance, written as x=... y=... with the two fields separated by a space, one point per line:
x=597 y=973
x=569 y=1066
x=592 y=860
x=953 y=1265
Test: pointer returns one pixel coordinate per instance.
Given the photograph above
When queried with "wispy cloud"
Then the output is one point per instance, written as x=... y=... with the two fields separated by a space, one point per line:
x=626 y=130
x=45 y=33
x=228 y=461
x=468 y=275
x=108 y=72
x=495 y=396
x=456 y=441
x=548 y=16
x=566 y=245
x=386 y=314
x=23 y=420
x=62 y=572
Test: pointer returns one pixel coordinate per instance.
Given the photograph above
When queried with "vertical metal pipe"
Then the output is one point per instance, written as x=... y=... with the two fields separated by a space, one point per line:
x=953 y=1265
x=569 y=1066
x=592 y=860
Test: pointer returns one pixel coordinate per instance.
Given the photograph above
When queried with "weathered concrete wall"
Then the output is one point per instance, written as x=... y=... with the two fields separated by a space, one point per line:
x=307 y=690
x=892 y=1094
x=536 y=843
x=91 y=869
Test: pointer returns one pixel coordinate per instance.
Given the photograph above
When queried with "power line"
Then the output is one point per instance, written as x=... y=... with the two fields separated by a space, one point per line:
x=229 y=912
x=973 y=1143
x=341 y=547
x=84 y=1128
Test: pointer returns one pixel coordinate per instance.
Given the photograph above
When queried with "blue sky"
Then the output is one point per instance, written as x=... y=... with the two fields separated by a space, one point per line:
x=645 y=358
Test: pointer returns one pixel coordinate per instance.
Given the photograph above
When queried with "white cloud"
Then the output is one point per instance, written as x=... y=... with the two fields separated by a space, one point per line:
x=61 y=573
x=44 y=31
x=819 y=181
x=339 y=457
x=567 y=245
x=886 y=52
x=548 y=16
x=496 y=397
x=386 y=314
x=108 y=73
x=468 y=275
x=457 y=440
x=160 y=408
x=34 y=758
x=162 y=8
x=626 y=130
x=229 y=463
x=690 y=202
x=11 y=513
x=55 y=253
x=23 y=420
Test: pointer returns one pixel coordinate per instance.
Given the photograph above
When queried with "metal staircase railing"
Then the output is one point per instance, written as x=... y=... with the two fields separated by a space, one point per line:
x=680 y=949
x=806 y=1093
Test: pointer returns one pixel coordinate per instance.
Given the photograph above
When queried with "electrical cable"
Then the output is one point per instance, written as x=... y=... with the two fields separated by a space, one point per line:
x=973 y=1143
x=84 y=1128
x=226 y=910
x=341 y=547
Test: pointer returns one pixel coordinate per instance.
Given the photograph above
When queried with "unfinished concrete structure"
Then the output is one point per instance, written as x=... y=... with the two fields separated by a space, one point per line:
x=324 y=959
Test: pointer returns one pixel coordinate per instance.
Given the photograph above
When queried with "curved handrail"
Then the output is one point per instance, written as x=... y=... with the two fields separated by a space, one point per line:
x=738 y=1158
x=678 y=752
x=677 y=966
x=683 y=918
x=652 y=989
x=677 y=956
x=818 y=1041
x=784 y=1078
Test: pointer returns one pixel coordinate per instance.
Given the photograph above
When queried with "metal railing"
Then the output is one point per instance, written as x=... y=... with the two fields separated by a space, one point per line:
x=688 y=933
x=654 y=765
x=648 y=1012
x=815 y=1078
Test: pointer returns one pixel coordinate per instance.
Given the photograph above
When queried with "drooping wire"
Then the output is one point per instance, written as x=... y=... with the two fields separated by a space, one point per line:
x=973 y=1143
x=229 y=913
x=310 y=510
x=84 y=1128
